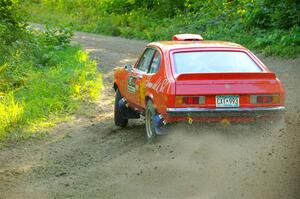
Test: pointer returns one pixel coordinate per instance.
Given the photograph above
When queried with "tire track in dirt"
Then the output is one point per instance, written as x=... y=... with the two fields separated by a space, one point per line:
x=89 y=157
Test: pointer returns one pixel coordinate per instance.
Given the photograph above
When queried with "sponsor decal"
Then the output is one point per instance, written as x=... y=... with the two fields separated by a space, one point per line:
x=142 y=91
x=159 y=86
x=132 y=84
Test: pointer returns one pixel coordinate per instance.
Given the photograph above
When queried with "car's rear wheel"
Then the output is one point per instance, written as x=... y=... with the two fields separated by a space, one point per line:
x=118 y=114
x=150 y=112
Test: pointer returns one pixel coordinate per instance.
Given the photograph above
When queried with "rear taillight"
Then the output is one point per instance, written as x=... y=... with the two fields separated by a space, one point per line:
x=264 y=99
x=190 y=100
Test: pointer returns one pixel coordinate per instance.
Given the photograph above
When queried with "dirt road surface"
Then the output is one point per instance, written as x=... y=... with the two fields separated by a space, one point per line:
x=88 y=157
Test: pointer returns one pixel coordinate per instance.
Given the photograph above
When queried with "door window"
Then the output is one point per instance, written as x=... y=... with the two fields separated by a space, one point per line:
x=146 y=59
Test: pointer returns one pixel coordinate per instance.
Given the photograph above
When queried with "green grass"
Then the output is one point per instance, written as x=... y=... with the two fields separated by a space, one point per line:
x=43 y=78
x=48 y=95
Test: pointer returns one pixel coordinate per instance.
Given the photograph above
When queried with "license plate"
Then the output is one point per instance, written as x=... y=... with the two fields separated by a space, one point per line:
x=227 y=101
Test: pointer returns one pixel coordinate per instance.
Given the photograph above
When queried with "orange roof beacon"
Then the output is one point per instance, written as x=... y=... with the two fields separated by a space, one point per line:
x=191 y=79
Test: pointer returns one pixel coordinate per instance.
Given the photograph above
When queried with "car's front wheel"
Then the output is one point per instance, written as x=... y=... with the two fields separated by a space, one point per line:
x=151 y=130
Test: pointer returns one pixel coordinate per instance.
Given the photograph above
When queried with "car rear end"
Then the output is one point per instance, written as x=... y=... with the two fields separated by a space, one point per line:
x=223 y=85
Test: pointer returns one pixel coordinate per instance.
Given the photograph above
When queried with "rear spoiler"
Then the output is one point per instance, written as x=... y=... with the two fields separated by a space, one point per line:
x=216 y=76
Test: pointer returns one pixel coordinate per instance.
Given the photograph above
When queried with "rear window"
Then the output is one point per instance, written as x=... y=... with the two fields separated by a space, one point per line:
x=213 y=62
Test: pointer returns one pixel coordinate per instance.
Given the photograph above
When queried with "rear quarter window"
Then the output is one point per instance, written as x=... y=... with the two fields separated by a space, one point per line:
x=156 y=61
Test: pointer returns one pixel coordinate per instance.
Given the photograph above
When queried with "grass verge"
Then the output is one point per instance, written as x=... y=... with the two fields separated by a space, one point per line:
x=48 y=95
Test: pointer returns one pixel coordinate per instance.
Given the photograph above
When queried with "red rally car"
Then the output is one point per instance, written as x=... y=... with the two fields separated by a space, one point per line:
x=191 y=79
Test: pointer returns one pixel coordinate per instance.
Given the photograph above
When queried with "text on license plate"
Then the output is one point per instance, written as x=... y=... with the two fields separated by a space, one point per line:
x=227 y=101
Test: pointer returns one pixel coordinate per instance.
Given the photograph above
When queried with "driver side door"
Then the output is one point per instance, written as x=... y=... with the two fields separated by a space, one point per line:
x=136 y=77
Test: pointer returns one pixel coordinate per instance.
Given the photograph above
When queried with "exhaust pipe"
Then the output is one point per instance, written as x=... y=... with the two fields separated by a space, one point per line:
x=159 y=122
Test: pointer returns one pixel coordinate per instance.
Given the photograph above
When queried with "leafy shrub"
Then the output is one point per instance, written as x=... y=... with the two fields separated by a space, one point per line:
x=31 y=94
x=11 y=23
x=42 y=77
x=58 y=37
x=255 y=24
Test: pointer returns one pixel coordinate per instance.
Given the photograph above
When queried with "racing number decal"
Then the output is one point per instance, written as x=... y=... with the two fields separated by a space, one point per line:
x=132 y=84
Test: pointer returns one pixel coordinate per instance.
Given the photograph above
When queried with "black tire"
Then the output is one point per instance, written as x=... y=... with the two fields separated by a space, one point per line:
x=118 y=116
x=150 y=111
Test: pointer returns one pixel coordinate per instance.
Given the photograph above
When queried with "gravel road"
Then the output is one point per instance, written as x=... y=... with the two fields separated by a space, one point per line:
x=88 y=157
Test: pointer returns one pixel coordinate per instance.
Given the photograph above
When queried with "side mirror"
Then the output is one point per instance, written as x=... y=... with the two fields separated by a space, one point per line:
x=128 y=67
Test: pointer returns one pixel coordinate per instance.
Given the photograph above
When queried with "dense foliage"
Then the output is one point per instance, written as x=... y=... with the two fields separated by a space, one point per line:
x=11 y=26
x=268 y=26
x=42 y=77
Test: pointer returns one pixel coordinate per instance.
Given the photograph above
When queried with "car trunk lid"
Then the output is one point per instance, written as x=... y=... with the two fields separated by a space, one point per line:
x=226 y=83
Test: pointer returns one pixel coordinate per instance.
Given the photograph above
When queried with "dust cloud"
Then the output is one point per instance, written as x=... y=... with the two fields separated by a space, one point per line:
x=211 y=161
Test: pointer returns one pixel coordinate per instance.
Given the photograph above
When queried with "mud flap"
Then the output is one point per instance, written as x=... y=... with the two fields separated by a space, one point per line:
x=126 y=111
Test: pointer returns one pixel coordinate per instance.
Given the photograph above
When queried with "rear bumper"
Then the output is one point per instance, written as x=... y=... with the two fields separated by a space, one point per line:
x=217 y=114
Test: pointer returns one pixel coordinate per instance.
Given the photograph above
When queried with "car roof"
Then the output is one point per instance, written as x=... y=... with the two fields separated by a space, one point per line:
x=174 y=45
